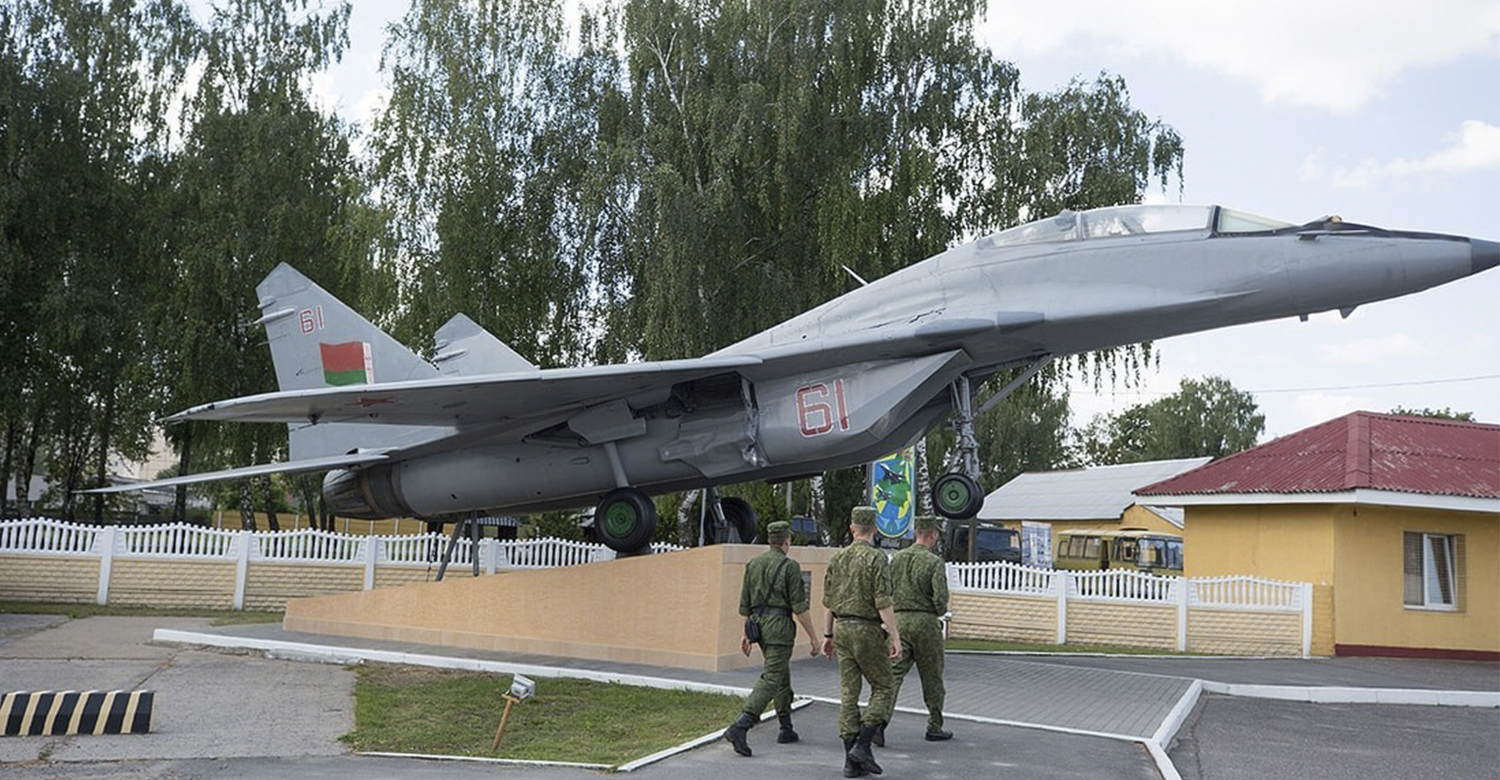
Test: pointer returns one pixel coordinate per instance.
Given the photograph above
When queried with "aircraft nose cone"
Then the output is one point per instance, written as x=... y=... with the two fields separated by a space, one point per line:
x=1485 y=254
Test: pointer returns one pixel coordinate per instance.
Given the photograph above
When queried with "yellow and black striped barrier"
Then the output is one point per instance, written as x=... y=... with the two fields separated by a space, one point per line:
x=56 y=713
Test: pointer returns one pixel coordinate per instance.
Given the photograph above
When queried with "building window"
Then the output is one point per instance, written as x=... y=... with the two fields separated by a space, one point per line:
x=1430 y=562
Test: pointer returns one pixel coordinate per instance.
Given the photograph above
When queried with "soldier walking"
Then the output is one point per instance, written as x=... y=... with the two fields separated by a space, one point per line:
x=771 y=594
x=919 y=583
x=857 y=593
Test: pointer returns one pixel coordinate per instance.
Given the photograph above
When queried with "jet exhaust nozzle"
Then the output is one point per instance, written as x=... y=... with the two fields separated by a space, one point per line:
x=365 y=494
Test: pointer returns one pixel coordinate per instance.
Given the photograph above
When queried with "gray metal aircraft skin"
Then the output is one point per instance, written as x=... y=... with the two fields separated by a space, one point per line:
x=849 y=381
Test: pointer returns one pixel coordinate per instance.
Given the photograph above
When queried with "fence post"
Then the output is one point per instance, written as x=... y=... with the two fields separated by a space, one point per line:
x=1307 y=621
x=1063 y=579
x=372 y=550
x=241 y=567
x=107 y=538
x=1183 y=586
x=490 y=550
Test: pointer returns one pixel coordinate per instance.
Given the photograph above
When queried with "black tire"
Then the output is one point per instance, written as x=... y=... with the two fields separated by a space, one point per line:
x=956 y=496
x=625 y=520
x=741 y=517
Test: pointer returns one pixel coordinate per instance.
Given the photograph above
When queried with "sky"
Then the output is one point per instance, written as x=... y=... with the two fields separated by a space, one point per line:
x=1385 y=114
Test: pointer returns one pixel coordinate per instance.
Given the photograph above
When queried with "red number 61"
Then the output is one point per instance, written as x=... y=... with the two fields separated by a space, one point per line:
x=815 y=415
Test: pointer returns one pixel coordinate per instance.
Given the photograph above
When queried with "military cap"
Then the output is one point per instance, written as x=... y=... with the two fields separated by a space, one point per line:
x=925 y=523
x=779 y=528
x=862 y=515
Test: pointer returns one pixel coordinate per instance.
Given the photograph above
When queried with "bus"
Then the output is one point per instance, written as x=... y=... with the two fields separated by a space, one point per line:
x=991 y=543
x=1133 y=549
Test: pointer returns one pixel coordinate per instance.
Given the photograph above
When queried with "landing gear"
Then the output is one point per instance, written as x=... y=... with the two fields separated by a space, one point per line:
x=625 y=520
x=957 y=496
x=740 y=516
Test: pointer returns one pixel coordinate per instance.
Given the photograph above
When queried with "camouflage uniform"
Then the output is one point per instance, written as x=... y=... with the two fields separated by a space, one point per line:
x=856 y=588
x=781 y=598
x=920 y=585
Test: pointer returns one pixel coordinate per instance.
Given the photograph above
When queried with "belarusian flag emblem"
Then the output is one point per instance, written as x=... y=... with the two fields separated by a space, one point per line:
x=348 y=363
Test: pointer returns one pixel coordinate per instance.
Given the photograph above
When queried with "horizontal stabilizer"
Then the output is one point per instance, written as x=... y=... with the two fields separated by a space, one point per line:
x=289 y=467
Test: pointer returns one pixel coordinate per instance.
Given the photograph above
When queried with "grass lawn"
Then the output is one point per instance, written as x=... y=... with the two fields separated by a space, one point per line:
x=408 y=709
x=221 y=617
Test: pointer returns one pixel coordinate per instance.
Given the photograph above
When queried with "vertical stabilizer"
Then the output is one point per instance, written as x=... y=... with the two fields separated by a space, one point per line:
x=465 y=349
x=317 y=341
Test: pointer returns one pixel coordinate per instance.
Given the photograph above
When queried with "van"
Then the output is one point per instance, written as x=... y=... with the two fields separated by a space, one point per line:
x=1132 y=549
x=991 y=543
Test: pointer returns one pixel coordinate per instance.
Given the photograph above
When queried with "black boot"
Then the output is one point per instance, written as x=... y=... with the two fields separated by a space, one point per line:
x=851 y=769
x=861 y=754
x=787 y=734
x=736 y=733
x=878 y=740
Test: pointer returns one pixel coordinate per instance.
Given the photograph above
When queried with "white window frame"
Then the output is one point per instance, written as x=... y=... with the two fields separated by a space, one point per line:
x=1431 y=587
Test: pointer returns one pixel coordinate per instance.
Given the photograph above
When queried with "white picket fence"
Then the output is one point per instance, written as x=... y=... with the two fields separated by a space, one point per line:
x=40 y=536
x=1129 y=587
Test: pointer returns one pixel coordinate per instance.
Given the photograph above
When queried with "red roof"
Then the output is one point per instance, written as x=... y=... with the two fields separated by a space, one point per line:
x=1362 y=450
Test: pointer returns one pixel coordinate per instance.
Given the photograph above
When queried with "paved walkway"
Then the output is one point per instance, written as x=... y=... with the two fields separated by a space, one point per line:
x=1016 y=716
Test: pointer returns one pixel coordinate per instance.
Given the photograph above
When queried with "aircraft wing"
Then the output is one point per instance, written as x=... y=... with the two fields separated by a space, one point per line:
x=462 y=401
x=289 y=467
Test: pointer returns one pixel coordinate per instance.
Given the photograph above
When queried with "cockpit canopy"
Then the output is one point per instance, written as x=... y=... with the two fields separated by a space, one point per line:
x=1133 y=220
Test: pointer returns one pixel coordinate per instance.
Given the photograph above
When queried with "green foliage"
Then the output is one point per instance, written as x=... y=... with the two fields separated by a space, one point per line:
x=1440 y=414
x=485 y=158
x=1208 y=417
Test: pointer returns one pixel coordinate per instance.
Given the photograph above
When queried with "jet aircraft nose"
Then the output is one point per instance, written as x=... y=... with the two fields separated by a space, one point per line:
x=1485 y=254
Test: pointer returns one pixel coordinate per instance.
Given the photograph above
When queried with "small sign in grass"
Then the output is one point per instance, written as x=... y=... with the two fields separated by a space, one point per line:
x=407 y=709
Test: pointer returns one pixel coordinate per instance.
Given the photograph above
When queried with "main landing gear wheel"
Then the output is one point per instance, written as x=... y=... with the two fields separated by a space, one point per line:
x=956 y=496
x=741 y=517
x=625 y=520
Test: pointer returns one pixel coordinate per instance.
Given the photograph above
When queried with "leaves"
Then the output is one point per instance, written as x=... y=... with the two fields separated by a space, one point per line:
x=1204 y=417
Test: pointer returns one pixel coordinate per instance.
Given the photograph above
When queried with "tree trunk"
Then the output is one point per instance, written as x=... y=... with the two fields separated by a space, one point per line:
x=819 y=508
x=685 y=524
x=179 y=507
x=247 y=507
x=924 y=479
x=28 y=467
x=269 y=489
x=102 y=463
x=5 y=464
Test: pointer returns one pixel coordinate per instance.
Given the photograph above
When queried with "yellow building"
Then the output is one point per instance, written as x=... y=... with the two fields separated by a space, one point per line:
x=1394 y=520
x=1042 y=504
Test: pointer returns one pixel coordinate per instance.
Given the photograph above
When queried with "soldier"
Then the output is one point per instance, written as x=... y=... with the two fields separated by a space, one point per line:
x=857 y=593
x=771 y=593
x=919 y=583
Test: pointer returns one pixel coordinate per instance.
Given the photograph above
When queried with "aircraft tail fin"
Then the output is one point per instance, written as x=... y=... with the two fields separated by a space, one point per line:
x=317 y=341
x=466 y=349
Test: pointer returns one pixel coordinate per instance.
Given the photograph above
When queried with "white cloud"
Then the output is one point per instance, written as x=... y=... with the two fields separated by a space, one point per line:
x=1333 y=54
x=1372 y=350
x=1475 y=147
x=1314 y=408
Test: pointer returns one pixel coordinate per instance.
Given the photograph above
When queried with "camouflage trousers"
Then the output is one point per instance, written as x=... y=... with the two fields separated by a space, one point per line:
x=775 y=683
x=922 y=645
x=864 y=654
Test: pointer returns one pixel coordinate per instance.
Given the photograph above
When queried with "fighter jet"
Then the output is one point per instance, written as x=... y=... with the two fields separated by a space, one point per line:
x=860 y=376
